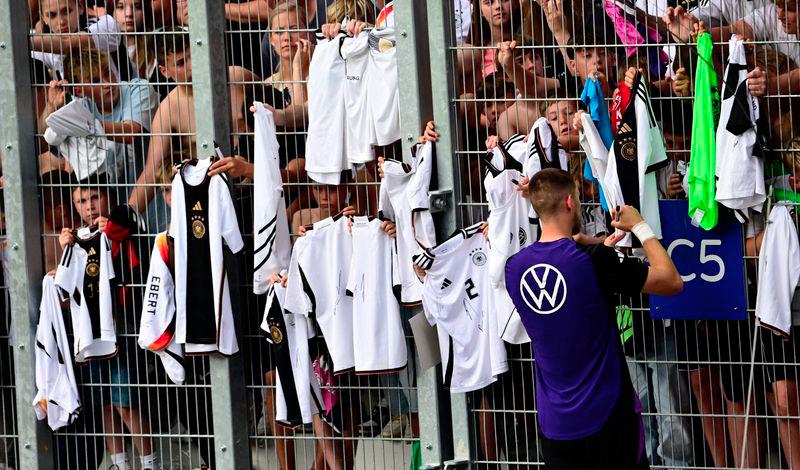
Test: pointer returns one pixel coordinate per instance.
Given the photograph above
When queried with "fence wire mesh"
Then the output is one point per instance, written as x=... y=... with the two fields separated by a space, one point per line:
x=513 y=62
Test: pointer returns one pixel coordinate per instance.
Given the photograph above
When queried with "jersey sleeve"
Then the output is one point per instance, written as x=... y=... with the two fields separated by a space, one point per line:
x=296 y=300
x=108 y=257
x=158 y=307
x=229 y=225
x=385 y=208
x=617 y=273
x=68 y=273
x=420 y=181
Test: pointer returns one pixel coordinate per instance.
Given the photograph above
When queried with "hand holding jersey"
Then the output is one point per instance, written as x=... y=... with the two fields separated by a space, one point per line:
x=565 y=293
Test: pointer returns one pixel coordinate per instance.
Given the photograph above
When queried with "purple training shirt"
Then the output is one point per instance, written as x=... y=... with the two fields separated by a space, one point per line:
x=565 y=295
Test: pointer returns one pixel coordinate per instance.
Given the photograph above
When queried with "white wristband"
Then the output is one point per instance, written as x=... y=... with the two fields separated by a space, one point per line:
x=643 y=232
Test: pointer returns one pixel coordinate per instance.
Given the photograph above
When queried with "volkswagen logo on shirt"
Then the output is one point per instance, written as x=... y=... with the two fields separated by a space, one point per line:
x=543 y=288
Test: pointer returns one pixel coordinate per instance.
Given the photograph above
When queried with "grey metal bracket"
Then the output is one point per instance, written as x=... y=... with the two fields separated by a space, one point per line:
x=440 y=200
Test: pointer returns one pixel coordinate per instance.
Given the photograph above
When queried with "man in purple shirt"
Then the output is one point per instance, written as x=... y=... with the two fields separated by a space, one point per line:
x=565 y=293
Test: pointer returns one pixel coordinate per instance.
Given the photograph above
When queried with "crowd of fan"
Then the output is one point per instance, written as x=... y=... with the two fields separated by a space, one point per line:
x=516 y=61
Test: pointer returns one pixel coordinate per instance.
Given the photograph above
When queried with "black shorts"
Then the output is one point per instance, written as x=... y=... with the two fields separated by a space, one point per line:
x=618 y=444
x=781 y=355
x=732 y=341
x=694 y=349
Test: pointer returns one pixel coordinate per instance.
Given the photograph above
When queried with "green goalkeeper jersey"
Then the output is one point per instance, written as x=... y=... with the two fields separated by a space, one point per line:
x=702 y=169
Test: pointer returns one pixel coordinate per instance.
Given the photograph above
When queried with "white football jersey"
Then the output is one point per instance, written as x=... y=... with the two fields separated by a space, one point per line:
x=404 y=200
x=543 y=151
x=325 y=144
x=158 y=320
x=271 y=247
x=374 y=284
x=637 y=153
x=509 y=231
x=740 y=172
x=298 y=396
x=359 y=129
x=317 y=286
x=778 y=270
x=84 y=277
x=457 y=298
x=57 y=396
x=203 y=217
x=383 y=93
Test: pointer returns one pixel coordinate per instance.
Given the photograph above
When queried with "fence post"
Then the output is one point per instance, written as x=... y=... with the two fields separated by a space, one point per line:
x=413 y=65
x=213 y=124
x=22 y=220
x=441 y=39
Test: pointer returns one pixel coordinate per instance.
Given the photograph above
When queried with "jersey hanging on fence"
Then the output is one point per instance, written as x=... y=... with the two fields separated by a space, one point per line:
x=739 y=159
x=57 y=397
x=158 y=320
x=509 y=230
x=298 y=396
x=778 y=271
x=637 y=152
x=404 y=200
x=203 y=216
x=84 y=277
x=543 y=151
x=457 y=299
x=271 y=248
x=317 y=286
x=702 y=170
x=374 y=284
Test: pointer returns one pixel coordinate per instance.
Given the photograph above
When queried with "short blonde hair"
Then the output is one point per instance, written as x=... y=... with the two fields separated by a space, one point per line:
x=289 y=7
x=85 y=65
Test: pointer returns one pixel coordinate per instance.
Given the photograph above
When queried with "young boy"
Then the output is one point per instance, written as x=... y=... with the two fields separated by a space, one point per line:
x=92 y=202
x=68 y=26
x=175 y=114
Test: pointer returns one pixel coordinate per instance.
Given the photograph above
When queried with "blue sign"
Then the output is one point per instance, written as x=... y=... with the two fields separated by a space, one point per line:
x=711 y=264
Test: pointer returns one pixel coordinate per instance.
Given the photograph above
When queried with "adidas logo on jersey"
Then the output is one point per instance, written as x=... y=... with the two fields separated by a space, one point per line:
x=197 y=207
x=446 y=283
x=91 y=252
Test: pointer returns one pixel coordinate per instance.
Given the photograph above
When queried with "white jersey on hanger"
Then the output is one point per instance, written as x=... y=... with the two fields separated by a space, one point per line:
x=57 y=396
x=325 y=144
x=404 y=200
x=509 y=231
x=637 y=153
x=457 y=298
x=271 y=245
x=298 y=396
x=359 y=128
x=374 y=284
x=317 y=286
x=203 y=216
x=778 y=271
x=383 y=93
x=84 y=277
x=740 y=172
x=158 y=320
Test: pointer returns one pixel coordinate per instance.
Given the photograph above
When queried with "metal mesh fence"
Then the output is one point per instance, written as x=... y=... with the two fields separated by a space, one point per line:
x=129 y=62
x=8 y=427
x=275 y=43
x=691 y=376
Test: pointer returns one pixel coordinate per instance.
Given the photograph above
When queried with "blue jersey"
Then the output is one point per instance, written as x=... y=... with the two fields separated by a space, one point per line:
x=565 y=295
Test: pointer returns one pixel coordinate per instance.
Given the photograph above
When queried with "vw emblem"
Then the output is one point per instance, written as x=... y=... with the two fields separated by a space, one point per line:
x=543 y=289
